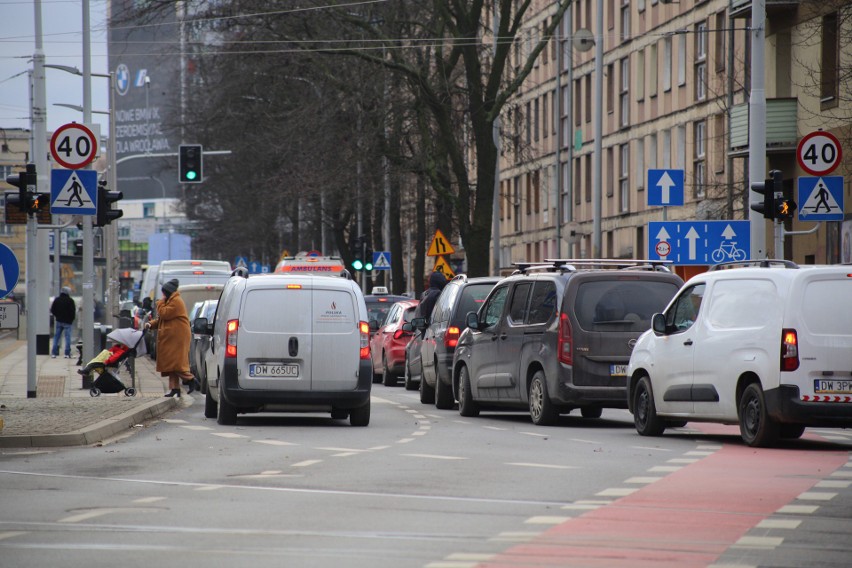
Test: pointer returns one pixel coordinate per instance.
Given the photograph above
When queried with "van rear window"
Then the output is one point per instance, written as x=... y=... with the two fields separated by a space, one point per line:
x=472 y=297
x=827 y=308
x=621 y=305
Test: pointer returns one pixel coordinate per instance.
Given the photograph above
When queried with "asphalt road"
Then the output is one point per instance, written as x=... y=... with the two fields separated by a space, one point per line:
x=422 y=487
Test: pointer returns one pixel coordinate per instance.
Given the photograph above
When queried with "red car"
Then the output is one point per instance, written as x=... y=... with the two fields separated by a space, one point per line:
x=387 y=346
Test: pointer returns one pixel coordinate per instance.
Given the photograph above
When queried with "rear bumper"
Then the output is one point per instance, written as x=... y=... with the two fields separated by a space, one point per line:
x=785 y=405
x=257 y=399
x=566 y=393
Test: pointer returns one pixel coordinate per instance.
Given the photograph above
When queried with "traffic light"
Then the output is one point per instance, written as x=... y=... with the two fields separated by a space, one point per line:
x=784 y=204
x=106 y=214
x=27 y=199
x=368 y=259
x=766 y=189
x=356 y=247
x=190 y=163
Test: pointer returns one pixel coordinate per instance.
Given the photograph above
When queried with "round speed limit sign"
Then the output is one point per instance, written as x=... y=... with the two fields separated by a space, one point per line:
x=819 y=153
x=73 y=146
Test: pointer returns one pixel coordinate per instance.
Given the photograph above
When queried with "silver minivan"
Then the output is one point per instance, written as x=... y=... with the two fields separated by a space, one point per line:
x=288 y=343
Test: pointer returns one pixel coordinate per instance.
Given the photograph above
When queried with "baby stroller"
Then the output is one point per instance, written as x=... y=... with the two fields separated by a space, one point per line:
x=107 y=363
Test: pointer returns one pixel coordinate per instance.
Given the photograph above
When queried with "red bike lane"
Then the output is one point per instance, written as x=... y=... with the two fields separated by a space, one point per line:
x=688 y=518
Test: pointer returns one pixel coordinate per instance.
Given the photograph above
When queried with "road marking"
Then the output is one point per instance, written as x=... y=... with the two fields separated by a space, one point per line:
x=419 y=433
x=438 y=416
x=816 y=496
x=536 y=434
x=10 y=534
x=617 y=492
x=488 y=427
x=196 y=427
x=664 y=468
x=427 y=427
x=682 y=460
x=149 y=499
x=642 y=479
x=760 y=541
x=411 y=411
x=228 y=435
x=348 y=450
x=841 y=474
x=85 y=516
x=778 y=524
x=469 y=556
x=543 y=465
x=420 y=417
x=345 y=454
x=452 y=565
x=405 y=440
x=275 y=442
x=434 y=457
x=651 y=449
x=581 y=507
x=380 y=400
x=306 y=463
x=514 y=536
x=425 y=422
x=709 y=447
x=699 y=453
x=174 y=421
x=376 y=448
x=210 y=487
x=834 y=484
x=584 y=441
x=546 y=520
x=798 y=509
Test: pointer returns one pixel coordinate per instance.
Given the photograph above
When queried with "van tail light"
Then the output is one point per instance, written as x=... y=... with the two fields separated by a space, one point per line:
x=231 y=338
x=400 y=334
x=565 y=343
x=364 y=329
x=451 y=338
x=789 y=350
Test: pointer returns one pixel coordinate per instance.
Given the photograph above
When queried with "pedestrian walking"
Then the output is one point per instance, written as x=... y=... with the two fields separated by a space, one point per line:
x=173 y=336
x=64 y=311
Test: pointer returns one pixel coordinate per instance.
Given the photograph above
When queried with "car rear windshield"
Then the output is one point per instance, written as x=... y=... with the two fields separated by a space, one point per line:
x=823 y=310
x=621 y=305
x=472 y=297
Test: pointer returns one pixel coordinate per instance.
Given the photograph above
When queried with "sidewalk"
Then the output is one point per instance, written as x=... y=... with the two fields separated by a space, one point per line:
x=63 y=413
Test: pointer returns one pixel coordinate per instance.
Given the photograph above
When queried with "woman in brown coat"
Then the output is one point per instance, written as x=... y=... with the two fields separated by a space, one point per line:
x=173 y=335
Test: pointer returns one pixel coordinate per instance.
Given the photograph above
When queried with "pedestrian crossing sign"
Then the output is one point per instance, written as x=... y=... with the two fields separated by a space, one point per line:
x=381 y=260
x=73 y=192
x=821 y=198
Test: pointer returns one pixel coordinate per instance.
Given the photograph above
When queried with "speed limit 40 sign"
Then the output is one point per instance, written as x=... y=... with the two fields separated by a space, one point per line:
x=73 y=146
x=819 y=153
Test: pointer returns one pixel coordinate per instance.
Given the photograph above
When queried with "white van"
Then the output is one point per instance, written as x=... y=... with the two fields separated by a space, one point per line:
x=191 y=272
x=288 y=343
x=763 y=344
x=149 y=282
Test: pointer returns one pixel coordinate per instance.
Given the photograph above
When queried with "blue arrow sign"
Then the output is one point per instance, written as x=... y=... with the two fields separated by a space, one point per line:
x=74 y=192
x=821 y=198
x=381 y=260
x=665 y=187
x=9 y=270
x=699 y=242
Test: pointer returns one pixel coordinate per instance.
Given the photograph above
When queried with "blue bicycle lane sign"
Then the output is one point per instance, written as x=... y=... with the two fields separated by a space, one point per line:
x=699 y=242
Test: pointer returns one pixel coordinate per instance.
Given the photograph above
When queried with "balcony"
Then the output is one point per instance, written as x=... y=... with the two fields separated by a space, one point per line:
x=742 y=8
x=781 y=127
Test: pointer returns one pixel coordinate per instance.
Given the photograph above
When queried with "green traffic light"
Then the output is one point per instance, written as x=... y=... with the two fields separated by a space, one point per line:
x=368 y=266
x=357 y=264
x=191 y=175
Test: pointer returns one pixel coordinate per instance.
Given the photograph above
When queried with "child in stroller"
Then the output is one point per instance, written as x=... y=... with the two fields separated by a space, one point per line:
x=106 y=364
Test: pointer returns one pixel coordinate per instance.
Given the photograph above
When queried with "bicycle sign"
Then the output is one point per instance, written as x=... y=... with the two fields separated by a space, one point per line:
x=699 y=242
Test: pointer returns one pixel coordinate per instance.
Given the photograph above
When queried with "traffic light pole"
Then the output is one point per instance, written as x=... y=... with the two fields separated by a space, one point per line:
x=32 y=299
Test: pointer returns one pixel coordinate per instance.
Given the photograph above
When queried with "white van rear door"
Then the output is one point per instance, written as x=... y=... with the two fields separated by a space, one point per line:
x=336 y=339
x=275 y=344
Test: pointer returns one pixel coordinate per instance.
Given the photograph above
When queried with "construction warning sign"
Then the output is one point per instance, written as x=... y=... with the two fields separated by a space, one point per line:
x=440 y=245
x=444 y=268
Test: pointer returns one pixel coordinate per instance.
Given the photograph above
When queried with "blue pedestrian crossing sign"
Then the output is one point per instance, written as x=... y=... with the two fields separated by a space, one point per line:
x=699 y=242
x=9 y=270
x=73 y=192
x=665 y=187
x=381 y=260
x=821 y=198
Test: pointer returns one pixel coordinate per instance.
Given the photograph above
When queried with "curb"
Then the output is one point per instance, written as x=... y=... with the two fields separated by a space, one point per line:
x=96 y=432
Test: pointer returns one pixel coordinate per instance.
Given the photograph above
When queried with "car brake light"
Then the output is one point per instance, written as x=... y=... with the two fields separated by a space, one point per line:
x=231 y=338
x=399 y=333
x=451 y=338
x=789 y=350
x=565 y=342
x=364 y=329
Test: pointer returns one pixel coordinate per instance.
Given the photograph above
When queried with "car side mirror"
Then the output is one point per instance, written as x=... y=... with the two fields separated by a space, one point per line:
x=200 y=326
x=374 y=325
x=658 y=324
x=407 y=326
x=419 y=323
x=472 y=320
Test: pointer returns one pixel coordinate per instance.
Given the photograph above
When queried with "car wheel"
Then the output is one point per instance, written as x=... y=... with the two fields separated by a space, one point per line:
x=791 y=431
x=645 y=412
x=591 y=411
x=427 y=393
x=409 y=384
x=211 y=409
x=388 y=378
x=756 y=426
x=360 y=416
x=542 y=410
x=377 y=378
x=467 y=406
x=227 y=415
x=443 y=393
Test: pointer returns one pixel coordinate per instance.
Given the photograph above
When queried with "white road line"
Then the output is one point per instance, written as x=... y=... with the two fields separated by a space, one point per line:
x=581 y=507
x=834 y=484
x=546 y=520
x=664 y=468
x=536 y=434
x=306 y=463
x=699 y=453
x=709 y=447
x=228 y=435
x=197 y=427
x=798 y=509
x=584 y=441
x=472 y=557
x=778 y=524
x=149 y=499
x=514 y=536
x=405 y=440
x=10 y=534
x=425 y=422
x=209 y=488
x=85 y=516
x=434 y=457
x=411 y=411
x=377 y=448
x=760 y=541
x=344 y=454
x=593 y=501
x=488 y=427
x=617 y=492
x=427 y=427
x=543 y=465
x=682 y=460
x=651 y=449
x=816 y=496
x=642 y=479
x=274 y=442
x=842 y=474
x=420 y=417
x=452 y=565
x=438 y=416
x=419 y=433
x=350 y=450
x=380 y=400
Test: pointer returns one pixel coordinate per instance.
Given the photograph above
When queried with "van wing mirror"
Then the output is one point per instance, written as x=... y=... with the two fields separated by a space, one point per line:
x=406 y=326
x=200 y=326
x=472 y=320
x=374 y=325
x=658 y=324
x=418 y=323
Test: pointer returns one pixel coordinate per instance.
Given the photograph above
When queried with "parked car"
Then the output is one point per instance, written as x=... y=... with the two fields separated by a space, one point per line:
x=288 y=343
x=557 y=336
x=766 y=345
x=200 y=342
x=387 y=345
x=379 y=304
x=431 y=364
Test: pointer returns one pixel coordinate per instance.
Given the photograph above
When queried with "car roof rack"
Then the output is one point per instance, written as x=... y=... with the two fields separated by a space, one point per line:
x=764 y=263
x=574 y=264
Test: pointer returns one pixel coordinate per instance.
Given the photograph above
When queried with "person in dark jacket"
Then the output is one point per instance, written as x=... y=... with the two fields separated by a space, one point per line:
x=437 y=282
x=64 y=311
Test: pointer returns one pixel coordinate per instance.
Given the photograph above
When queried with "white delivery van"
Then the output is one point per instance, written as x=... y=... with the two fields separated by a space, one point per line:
x=763 y=344
x=288 y=343
x=191 y=272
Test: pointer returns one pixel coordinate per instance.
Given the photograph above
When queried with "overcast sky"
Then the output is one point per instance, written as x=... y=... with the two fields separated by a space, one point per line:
x=62 y=25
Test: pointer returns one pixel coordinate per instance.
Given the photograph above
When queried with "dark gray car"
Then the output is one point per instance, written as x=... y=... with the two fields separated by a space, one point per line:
x=558 y=336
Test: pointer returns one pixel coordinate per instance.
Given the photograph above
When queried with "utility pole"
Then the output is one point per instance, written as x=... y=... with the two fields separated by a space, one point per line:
x=87 y=329
x=38 y=295
x=757 y=127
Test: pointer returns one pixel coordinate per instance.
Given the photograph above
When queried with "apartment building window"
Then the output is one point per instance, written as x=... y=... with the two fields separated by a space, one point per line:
x=528 y=123
x=588 y=25
x=578 y=180
x=681 y=60
x=681 y=147
x=546 y=114
x=625 y=20
x=667 y=64
x=502 y=200
x=640 y=75
x=578 y=101
x=830 y=59
x=588 y=178
x=610 y=87
x=149 y=210
x=536 y=118
x=544 y=53
x=529 y=193
x=610 y=14
x=653 y=66
x=652 y=152
x=640 y=164
x=609 y=168
x=719 y=142
x=667 y=149
x=700 y=164
x=640 y=5
x=578 y=15
x=588 y=104
x=625 y=88
x=624 y=177
x=536 y=185
x=516 y=203
x=566 y=128
x=701 y=61
x=720 y=36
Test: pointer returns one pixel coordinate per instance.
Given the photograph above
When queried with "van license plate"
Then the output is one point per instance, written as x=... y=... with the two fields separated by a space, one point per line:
x=618 y=370
x=283 y=371
x=823 y=386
